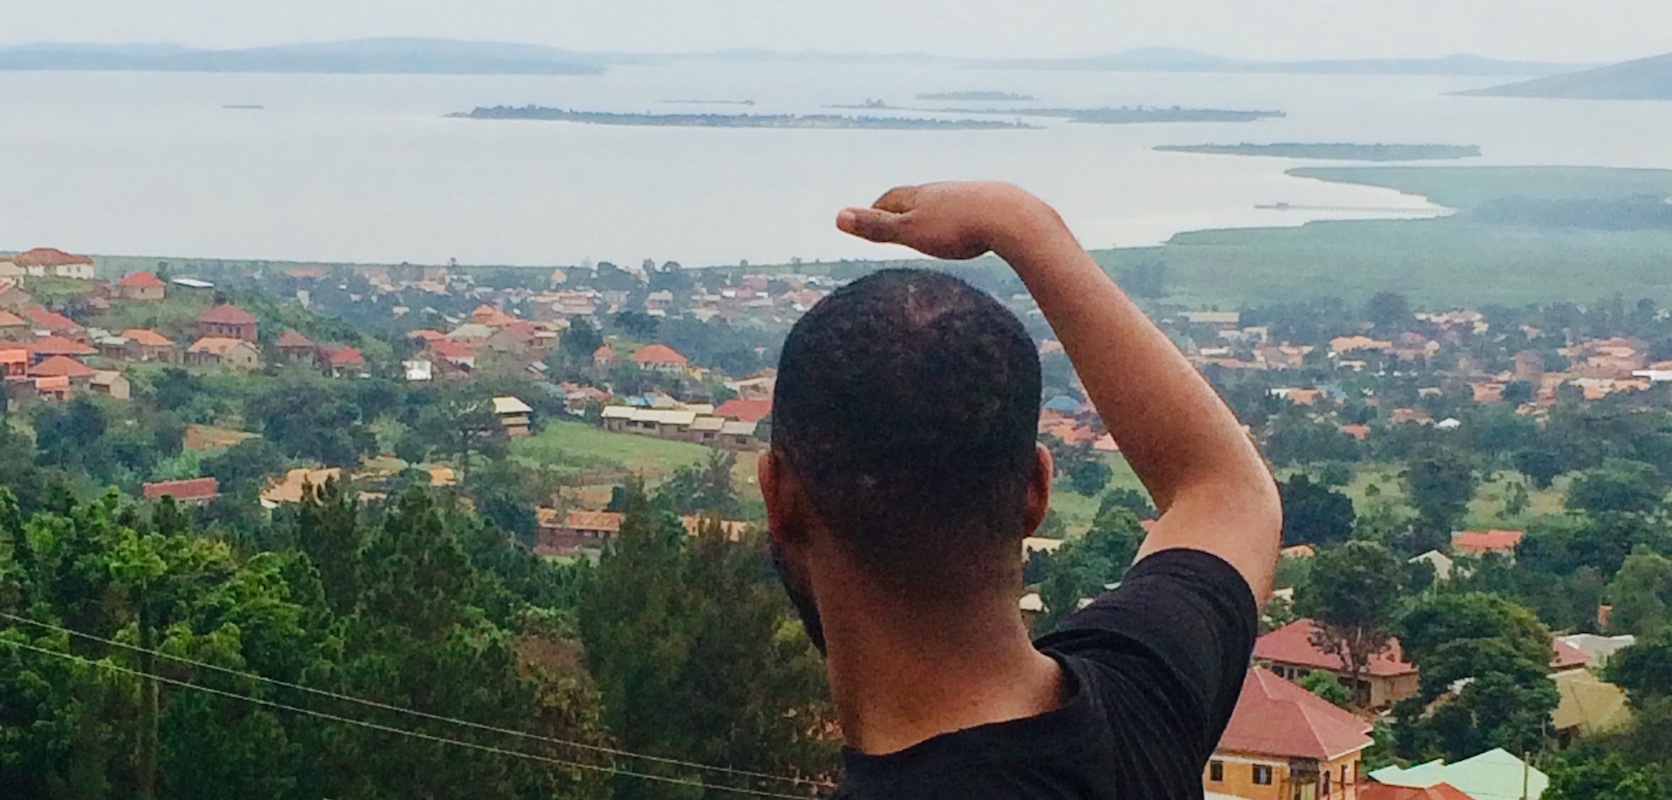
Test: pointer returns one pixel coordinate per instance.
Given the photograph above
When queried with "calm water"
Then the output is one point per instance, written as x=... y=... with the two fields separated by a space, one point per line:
x=364 y=168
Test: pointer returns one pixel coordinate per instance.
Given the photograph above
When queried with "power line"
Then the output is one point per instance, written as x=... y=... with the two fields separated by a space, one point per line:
x=398 y=731
x=420 y=714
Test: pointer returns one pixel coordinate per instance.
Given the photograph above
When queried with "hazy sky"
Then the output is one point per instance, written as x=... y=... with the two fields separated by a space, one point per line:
x=1566 y=30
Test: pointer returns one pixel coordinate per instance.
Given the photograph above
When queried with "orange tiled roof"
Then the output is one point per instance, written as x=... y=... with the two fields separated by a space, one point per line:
x=192 y=489
x=50 y=320
x=659 y=354
x=227 y=314
x=1292 y=644
x=60 y=346
x=1384 y=791
x=145 y=337
x=292 y=339
x=1481 y=542
x=219 y=345
x=47 y=257
x=745 y=410
x=607 y=521
x=10 y=320
x=141 y=280
x=61 y=367
x=347 y=355
x=1274 y=717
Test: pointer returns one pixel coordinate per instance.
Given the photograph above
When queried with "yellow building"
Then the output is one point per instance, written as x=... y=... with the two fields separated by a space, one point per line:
x=1286 y=743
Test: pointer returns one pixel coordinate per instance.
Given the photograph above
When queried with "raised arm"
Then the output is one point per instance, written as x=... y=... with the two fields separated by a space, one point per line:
x=1206 y=477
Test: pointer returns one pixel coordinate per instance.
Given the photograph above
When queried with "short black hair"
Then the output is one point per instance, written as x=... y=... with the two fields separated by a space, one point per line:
x=907 y=403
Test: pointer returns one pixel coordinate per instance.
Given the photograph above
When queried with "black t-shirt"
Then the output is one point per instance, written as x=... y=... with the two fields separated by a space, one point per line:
x=1153 y=669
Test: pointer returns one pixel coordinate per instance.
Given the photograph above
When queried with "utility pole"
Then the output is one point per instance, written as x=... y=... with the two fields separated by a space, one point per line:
x=145 y=756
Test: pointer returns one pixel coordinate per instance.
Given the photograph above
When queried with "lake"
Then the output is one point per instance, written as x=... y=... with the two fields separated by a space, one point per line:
x=352 y=168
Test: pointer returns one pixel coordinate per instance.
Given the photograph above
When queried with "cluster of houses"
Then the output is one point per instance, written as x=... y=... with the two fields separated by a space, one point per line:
x=580 y=533
x=733 y=425
x=1595 y=368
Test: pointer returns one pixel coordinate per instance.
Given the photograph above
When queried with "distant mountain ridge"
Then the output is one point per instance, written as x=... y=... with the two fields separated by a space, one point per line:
x=1642 y=79
x=455 y=57
x=361 y=56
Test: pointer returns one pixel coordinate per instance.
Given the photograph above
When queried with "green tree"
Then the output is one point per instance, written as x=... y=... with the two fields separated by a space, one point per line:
x=1083 y=568
x=1314 y=513
x=1644 y=670
x=1440 y=483
x=1351 y=594
x=1586 y=776
x=1641 y=594
x=1089 y=476
x=1328 y=686
x=1618 y=486
x=1390 y=312
x=704 y=487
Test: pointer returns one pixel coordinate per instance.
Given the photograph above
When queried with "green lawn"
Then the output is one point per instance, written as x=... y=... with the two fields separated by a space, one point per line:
x=1485 y=511
x=572 y=447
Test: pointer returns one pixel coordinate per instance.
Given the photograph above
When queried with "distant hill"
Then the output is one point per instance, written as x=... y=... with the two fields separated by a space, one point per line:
x=363 y=56
x=1171 y=60
x=1643 y=79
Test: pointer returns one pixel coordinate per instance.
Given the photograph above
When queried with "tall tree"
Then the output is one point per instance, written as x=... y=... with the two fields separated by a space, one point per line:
x=1440 y=481
x=1350 y=596
x=1314 y=513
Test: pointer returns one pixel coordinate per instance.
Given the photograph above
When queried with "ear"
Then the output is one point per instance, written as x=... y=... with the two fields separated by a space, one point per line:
x=1039 y=490
x=785 y=518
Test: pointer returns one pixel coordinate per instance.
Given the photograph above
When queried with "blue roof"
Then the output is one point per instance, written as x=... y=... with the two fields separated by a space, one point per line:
x=1063 y=403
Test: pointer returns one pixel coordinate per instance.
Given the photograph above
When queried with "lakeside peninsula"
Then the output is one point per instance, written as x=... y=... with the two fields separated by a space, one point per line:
x=1338 y=151
x=828 y=121
x=978 y=96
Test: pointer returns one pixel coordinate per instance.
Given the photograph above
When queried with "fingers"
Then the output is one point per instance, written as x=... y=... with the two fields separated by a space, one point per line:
x=870 y=224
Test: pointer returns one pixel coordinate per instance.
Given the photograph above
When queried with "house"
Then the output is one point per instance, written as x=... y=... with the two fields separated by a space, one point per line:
x=455 y=354
x=219 y=351
x=1440 y=562
x=658 y=304
x=1284 y=741
x=740 y=436
x=14 y=361
x=1229 y=320
x=1480 y=543
x=567 y=534
x=1565 y=657
x=755 y=387
x=141 y=285
x=346 y=361
x=1589 y=705
x=1359 y=343
x=1492 y=775
x=112 y=384
x=491 y=317
x=1384 y=791
x=513 y=416
x=418 y=371
x=193 y=492
x=53 y=388
x=50 y=346
x=51 y=322
x=745 y=410
x=227 y=321
x=603 y=357
x=661 y=358
x=294 y=348
x=144 y=344
x=79 y=375
x=1600 y=648
x=1289 y=652
x=43 y=262
x=12 y=296
x=12 y=326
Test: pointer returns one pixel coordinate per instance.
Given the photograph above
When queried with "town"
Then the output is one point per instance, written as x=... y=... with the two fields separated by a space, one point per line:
x=1491 y=476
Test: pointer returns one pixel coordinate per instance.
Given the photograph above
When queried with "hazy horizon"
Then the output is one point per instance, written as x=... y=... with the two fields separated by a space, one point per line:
x=1524 y=30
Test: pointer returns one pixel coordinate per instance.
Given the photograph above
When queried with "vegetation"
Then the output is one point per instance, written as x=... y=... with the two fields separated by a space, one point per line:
x=738 y=120
x=978 y=96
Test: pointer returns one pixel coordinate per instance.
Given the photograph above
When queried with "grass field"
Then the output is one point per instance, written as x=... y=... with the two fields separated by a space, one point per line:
x=1485 y=511
x=1444 y=262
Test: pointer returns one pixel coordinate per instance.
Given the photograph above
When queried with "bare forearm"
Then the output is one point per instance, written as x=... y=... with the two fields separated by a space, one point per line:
x=1183 y=442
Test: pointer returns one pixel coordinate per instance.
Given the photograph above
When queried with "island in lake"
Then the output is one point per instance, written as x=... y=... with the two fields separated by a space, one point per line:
x=710 y=102
x=977 y=96
x=738 y=120
x=1335 y=151
x=1129 y=115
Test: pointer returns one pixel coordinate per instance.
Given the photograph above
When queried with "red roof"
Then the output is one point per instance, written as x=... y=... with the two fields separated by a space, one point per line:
x=1277 y=718
x=60 y=346
x=292 y=339
x=347 y=355
x=13 y=353
x=604 y=353
x=145 y=337
x=1292 y=644
x=1382 y=791
x=1482 y=542
x=141 y=280
x=47 y=257
x=10 y=320
x=447 y=348
x=607 y=521
x=193 y=489
x=427 y=334
x=61 y=367
x=745 y=410
x=659 y=354
x=227 y=314
x=50 y=320
x=1566 y=656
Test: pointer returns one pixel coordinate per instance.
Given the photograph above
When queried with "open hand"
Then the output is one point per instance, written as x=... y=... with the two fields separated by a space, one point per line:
x=945 y=220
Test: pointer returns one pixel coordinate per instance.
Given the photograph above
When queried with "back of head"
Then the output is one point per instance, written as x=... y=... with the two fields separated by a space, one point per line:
x=907 y=404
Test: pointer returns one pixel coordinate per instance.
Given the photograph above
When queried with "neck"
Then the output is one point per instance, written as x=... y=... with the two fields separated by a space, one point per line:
x=901 y=675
